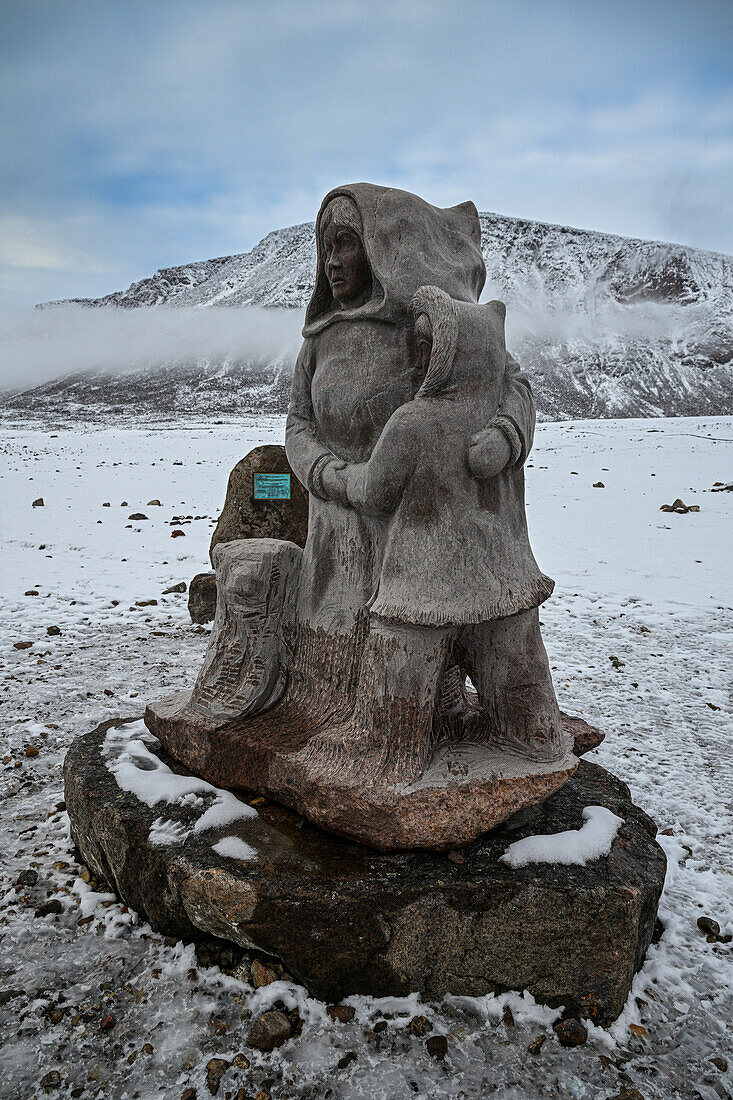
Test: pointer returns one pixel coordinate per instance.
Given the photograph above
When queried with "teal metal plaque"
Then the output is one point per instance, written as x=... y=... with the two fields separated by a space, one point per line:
x=272 y=487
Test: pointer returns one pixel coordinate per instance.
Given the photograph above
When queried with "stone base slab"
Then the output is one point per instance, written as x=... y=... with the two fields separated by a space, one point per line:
x=346 y=919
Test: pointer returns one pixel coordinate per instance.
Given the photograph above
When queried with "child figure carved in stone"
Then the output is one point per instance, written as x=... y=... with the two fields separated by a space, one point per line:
x=458 y=583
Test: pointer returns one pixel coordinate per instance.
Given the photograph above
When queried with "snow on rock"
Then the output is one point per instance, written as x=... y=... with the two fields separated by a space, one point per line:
x=137 y=770
x=592 y=841
x=235 y=848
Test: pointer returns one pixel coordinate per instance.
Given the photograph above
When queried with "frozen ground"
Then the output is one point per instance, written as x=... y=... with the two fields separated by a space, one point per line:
x=639 y=633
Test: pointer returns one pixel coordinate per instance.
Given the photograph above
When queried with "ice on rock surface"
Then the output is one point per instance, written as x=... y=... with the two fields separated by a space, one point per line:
x=579 y=846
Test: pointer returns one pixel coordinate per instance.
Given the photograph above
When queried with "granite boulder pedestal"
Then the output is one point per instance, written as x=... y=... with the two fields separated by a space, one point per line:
x=345 y=919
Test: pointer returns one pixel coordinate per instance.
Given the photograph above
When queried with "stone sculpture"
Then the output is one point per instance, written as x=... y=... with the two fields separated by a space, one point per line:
x=335 y=680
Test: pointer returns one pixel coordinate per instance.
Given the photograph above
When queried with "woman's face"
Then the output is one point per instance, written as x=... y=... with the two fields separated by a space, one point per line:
x=347 y=268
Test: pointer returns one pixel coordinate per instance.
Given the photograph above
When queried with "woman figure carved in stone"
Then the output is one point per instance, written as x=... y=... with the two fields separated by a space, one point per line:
x=359 y=362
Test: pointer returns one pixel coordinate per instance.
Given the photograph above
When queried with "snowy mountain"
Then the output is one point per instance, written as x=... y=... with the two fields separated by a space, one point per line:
x=606 y=326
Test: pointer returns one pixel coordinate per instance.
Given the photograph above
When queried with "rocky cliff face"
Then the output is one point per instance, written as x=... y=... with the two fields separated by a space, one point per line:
x=606 y=326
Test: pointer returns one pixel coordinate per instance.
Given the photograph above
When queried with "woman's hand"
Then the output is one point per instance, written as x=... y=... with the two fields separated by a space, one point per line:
x=489 y=453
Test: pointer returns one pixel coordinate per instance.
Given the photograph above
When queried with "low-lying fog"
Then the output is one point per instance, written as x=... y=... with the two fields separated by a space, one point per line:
x=42 y=344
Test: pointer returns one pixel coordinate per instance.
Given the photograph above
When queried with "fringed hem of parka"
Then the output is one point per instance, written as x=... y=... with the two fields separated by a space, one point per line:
x=531 y=595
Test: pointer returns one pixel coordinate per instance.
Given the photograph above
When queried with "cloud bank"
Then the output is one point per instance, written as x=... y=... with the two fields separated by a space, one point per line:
x=42 y=344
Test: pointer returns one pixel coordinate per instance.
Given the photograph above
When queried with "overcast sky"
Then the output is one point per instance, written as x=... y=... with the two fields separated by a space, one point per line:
x=140 y=135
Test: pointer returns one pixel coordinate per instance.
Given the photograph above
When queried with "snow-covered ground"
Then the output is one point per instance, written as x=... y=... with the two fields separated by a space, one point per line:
x=639 y=633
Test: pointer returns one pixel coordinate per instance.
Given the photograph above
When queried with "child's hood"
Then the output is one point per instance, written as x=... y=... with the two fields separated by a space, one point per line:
x=469 y=343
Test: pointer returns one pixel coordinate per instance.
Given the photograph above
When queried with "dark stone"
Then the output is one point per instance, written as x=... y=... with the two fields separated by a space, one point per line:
x=38 y=503
x=180 y=587
x=269 y=1030
x=53 y=631
x=536 y=1045
x=345 y=919
x=437 y=1047
x=420 y=1026
x=202 y=598
x=137 y=515
x=51 y=1080
x=709 y=926
x=262 y=975
x=243 y=517
x=27 y=878
x=342 y=1014
x=347 y=1059
x=7 y=995
x=571 y=1033
x=47 y=908
x=215 y=1070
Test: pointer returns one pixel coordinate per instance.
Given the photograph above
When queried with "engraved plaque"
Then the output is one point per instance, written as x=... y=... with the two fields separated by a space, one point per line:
x=272 y=487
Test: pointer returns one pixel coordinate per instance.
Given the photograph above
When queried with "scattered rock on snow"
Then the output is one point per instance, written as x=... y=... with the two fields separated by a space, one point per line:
x=202 y=598
x=437 y=1047
x=53 y=631
x=31 y=750
x=137 y=515
x=47 y=908
x=32 y=592
x=7 y=995
x=346 y=1060
x=215 y=1070
x=420 y=1026
x=571 y=1033
x=155 y=503
x=177 y=534
x=536 y=1045
x=269 y=1030
x=598 y=485
x=709 y=926
x=51 y=1080
x=38 y=503
x=22 y=645
x=342 y=1014
x=180 y=587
